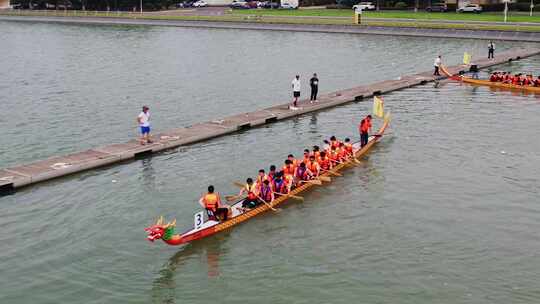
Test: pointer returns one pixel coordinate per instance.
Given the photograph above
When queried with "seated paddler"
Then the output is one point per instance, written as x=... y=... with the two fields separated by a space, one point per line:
x=211 y=202
x=251 y=191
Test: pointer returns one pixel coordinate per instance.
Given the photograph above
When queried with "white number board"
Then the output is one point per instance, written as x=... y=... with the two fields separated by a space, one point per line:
x=198 y=219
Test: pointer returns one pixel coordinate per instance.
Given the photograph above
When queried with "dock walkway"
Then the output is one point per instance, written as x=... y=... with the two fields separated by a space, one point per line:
x=23 y=175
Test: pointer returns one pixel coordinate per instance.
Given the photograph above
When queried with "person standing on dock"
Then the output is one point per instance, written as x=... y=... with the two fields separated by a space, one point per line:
x=436 y=65
x=364 y=128
x=491 y=50
x=296 y=91
x=144 y=123
x=314 y=83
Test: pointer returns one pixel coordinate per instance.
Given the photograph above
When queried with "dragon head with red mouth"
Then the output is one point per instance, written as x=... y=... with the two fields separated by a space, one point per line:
x=160 y=230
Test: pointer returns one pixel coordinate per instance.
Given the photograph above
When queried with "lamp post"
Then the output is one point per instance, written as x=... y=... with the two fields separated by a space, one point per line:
x=141 y=7
x=532 y=6
x=505 y=9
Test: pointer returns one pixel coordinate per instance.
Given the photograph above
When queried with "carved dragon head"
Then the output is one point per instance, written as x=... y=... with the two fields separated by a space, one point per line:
x=160 y=230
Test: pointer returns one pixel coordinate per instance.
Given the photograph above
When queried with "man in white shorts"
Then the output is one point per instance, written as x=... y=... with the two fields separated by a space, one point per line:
x=296 y=91
x=144 y=123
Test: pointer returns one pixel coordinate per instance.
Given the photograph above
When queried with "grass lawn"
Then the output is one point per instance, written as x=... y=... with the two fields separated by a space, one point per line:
x=486 y=16
x=280 y=19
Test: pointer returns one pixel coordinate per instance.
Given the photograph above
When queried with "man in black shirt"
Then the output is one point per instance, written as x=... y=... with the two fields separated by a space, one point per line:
x=314 y=83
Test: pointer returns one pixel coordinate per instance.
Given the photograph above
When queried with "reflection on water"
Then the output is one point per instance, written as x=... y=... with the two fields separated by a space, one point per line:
x=164 y=288
x=148 y=174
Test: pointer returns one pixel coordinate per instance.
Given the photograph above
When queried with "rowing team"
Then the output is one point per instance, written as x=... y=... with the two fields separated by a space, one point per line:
x=294 y=173
x=518 y=79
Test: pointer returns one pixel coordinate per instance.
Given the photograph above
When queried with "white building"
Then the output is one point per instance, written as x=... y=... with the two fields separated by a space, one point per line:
x=4 y=3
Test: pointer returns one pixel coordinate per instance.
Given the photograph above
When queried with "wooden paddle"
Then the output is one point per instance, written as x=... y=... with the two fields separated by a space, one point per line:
x=239 y=184
x=346 y=163
x=332 y=172
x=232 y=198
x=325 y=178
x=267 y=204
x=312 y=181
x=291 y=196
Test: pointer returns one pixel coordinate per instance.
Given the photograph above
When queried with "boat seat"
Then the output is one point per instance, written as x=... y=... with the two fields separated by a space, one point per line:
x=211 y=215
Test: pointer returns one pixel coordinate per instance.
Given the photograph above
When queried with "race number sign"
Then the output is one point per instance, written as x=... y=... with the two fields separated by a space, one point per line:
x=198 y=220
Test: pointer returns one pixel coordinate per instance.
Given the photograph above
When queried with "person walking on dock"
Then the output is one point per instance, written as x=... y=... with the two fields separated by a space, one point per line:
x=296 y=91
x=144 y=123
x=436 y=65
x=491 y=50
x=314 y=83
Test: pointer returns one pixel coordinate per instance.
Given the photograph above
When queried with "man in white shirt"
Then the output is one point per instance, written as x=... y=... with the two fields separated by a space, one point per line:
x=144 y=123
x=296 y=91
x=437 y=64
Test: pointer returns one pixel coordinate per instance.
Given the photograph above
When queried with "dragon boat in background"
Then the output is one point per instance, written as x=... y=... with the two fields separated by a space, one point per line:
x=493 y=84
x=205 y=228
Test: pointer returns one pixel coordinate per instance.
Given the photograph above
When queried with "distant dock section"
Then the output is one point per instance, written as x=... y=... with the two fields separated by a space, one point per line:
x=24 y=175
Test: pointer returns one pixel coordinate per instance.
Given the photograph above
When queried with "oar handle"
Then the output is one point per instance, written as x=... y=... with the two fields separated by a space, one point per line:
x=267 y=204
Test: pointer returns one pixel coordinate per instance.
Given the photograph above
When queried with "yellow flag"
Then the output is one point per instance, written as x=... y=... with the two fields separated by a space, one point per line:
x=378 y=107
x=466 y=58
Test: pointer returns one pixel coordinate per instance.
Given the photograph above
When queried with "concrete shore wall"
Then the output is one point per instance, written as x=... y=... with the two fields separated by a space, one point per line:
x=346 y=29
x=27 y=174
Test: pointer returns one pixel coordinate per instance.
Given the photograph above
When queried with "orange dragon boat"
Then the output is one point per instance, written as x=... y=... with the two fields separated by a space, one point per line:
x=205 y=228
x=485 y=82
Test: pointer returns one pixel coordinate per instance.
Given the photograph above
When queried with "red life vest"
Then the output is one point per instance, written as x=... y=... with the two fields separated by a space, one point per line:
x=288 y=169
x=349 y=149
x=301 y=173
x=280 y=187
x=313 y=167
x=324 y=163
x=251 y=191
x=365 y=124
x=211 y=201
x=266 y=193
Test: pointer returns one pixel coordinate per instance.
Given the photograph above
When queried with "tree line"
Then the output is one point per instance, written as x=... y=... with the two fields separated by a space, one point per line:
x=100 y=5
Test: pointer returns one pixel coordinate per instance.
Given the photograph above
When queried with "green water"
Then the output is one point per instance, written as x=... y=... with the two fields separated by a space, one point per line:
x=444 y=210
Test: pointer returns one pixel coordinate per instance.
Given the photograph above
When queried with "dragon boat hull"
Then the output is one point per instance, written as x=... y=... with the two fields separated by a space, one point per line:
x=211 y=227
x=500 y=85
x=485 y=82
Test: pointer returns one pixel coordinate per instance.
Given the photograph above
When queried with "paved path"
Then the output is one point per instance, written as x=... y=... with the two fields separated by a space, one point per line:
x=38 y=171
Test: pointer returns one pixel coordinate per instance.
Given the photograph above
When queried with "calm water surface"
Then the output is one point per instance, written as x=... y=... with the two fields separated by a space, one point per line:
x=444 y=210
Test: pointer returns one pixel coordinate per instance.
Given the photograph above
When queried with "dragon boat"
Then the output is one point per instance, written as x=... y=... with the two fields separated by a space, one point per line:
x=499 y=84
x=205 y=228
x=493 y=84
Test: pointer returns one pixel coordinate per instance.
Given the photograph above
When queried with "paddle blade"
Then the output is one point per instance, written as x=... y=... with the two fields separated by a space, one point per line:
x=315 y=181
x=296 y=197
x=325 y=178
x=238 y=184
x=231 y=198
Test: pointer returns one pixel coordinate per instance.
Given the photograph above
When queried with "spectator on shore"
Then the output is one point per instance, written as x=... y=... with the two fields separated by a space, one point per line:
x=144 y=123
x=491 y=50
x=296 y=91
x=314 y=83
x=436 y=65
